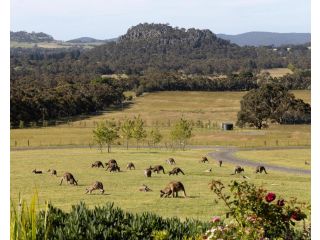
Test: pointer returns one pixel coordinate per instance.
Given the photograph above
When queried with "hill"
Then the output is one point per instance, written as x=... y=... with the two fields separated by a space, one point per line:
x=267 y=38
x=32 y=37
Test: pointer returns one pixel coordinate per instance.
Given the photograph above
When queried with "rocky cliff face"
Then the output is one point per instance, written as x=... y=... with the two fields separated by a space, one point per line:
x=165 y=34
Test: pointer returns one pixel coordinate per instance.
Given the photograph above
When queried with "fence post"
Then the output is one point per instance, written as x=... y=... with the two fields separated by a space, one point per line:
x=28 y=143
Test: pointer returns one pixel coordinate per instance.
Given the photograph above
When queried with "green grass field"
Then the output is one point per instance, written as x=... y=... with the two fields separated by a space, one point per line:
x=163 y=109
x=122 y=188
x=289 y=158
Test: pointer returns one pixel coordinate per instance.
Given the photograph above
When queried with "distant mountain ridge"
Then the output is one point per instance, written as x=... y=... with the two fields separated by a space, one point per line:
x=267 y=38
x=32 y=37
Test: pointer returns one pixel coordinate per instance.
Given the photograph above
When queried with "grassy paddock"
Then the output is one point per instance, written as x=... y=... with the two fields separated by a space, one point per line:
x=294 y=158
x=163 y=109
x=277 y=72
x=122 y=188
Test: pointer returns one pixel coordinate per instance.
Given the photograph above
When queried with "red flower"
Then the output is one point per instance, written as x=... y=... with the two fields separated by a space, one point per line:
x=280 y=203
x=215 y=219
x=270 y=197
x=296 y=216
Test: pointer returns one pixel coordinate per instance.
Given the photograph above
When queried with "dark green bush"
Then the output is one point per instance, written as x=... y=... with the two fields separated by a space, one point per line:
x=109 y=222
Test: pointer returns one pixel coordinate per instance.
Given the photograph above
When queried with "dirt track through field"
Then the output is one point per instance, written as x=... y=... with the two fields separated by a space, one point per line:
x=226 y=154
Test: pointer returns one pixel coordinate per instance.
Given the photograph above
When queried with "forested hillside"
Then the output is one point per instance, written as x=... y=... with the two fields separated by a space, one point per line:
x=66 y=82
x=33 y=37
x=267 y=38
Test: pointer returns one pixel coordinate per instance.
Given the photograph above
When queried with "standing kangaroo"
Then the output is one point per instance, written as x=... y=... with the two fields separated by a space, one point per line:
x=68 y=177
x=97 y=164
x=148 y=172
x=176 y=171
x=95 y=186
x=261 y=169
x=173 y=188
x=220 y=163
x=131 y=165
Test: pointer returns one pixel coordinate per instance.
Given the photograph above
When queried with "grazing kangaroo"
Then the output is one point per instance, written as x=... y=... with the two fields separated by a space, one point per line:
x=158 y=168
x=68 y=177
x=131 y=165
x=238 y=169
x=171 y=161
x=110 y=163
x=173 y=188
x=204 y=159
x=36 y=172
x=306 y=163
x=208 y=170
x=97 y=164
x=261 y=169
x=114 y=168
x=176 y=171
x=220 y=163
x=95 y=186
x=53 y=172
x=144 y=188
x=148 y=171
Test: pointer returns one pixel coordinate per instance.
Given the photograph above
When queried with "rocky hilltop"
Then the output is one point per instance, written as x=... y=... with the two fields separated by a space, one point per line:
x=32 y=37
x=166 y=34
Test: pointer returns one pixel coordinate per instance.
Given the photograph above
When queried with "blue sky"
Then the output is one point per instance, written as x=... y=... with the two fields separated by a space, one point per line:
x=102 y=19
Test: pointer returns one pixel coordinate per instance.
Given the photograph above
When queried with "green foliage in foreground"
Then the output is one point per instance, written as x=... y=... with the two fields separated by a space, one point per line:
x=109 y=222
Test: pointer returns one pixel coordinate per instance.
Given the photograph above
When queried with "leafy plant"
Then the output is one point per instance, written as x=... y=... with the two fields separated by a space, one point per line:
x=255 y=213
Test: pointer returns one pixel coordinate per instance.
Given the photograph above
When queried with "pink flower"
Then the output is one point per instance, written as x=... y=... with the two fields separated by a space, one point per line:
x=215 y=219
x=270 y=197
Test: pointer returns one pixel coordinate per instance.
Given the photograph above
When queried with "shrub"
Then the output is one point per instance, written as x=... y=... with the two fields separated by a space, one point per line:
x=256 y=215
x=109 y=222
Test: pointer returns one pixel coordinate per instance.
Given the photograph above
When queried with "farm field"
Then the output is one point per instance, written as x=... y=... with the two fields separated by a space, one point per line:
x=288 y=158
x=163 y=109
x=277 y=72
x=122 y=188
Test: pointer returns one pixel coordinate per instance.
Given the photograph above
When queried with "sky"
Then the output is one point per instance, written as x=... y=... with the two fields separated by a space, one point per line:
x=104 y=19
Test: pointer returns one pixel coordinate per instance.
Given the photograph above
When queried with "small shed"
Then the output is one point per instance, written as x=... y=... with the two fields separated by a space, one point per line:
x=227 y=126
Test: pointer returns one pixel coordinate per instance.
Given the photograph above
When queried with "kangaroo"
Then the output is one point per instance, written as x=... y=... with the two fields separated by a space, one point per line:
x=68 y=177
x=306 y=163
x=261 y=169
x=110 y=163
x=95 y=186
x=97 y=164
x=53 y=172
x=208 y=170
x=238 y=169
x=148 y=171
x=131 y=165
x=36 y=172
x=171 y=161
x=173 y=188
x=144 y=188
x=204 y=159
x=220 y=163
x=158 y=168
x=114 y=168
x=176 y=171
